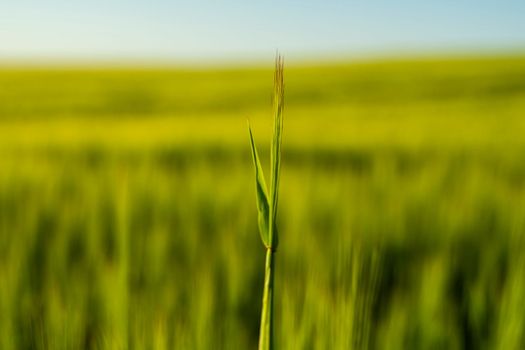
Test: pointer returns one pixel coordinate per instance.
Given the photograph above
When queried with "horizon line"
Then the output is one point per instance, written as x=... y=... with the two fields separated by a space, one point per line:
x=259 y=62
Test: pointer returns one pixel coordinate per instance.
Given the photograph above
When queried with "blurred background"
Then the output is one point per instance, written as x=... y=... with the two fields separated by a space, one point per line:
x=127 y=193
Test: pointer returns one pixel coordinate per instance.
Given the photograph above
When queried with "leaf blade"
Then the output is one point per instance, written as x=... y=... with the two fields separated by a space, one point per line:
x=263 y=206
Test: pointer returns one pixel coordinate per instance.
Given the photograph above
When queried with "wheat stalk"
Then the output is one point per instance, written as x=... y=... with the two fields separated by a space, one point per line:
x=267 y=207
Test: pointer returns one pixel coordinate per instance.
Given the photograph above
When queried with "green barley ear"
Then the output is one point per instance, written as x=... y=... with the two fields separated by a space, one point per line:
x=278 y=100
x=267 y=208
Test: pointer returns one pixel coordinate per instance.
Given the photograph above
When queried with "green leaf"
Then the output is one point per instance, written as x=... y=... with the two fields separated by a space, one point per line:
x=263 y=206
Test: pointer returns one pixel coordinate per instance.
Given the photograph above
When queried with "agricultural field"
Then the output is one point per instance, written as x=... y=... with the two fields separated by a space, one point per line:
x=128 y=216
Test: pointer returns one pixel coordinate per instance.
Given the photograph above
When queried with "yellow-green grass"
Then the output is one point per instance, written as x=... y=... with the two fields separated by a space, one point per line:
x=400 y=104
x=127 y=216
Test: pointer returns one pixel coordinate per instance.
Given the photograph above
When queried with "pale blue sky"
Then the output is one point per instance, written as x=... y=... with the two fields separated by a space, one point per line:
x=202 y=30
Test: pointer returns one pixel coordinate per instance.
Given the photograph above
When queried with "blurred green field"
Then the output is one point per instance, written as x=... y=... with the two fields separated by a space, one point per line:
x=128 y=219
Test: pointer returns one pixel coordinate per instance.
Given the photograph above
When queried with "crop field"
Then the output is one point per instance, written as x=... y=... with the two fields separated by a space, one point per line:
x=128 y=216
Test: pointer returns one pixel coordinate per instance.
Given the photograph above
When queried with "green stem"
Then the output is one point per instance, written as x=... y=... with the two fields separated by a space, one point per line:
x=266 y=332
